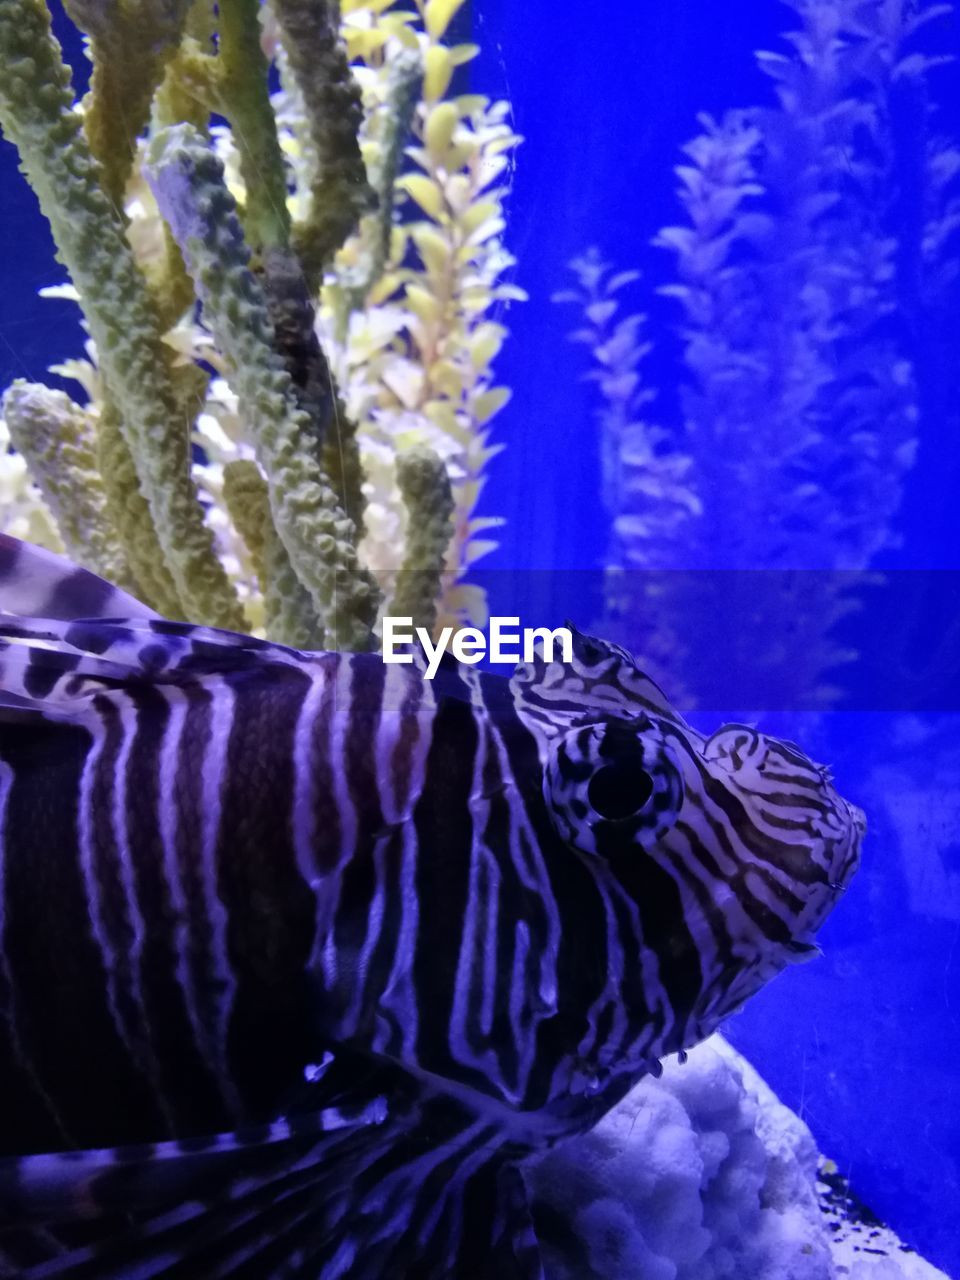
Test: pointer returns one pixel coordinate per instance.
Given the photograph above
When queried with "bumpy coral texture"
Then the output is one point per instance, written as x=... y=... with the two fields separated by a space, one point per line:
x=187 y=180
x=90 y=238
x=323 y=393
x=59 y=439
x=701 y=1175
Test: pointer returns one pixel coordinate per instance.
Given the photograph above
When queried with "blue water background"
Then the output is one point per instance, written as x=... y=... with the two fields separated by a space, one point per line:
x=864 y=1043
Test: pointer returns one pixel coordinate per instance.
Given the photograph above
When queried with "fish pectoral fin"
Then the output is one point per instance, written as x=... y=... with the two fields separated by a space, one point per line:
x=67 y=635
x=417 y=1186
x=515 y=1249
x=193 y=1207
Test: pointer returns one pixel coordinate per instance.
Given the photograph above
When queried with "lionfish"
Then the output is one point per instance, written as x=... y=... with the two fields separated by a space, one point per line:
x=302 y=955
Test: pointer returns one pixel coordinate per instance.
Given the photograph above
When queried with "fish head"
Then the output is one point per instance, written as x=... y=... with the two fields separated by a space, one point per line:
x=791 y=815
x=732 y=848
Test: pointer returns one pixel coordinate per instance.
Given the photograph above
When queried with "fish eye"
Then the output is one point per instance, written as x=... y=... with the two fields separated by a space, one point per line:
x=619 y=790
x=613 y=787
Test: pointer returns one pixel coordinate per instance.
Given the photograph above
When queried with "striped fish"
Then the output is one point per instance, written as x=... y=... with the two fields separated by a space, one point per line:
x=302 y=954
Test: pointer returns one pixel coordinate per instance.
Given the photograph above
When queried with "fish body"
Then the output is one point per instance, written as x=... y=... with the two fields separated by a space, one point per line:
x=301 y=954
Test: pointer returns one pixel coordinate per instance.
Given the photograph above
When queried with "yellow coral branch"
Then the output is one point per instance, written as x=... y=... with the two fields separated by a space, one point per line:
x=288 y=614
x=427 y=495
x=89 y=234
x=187 y=180
x=244 y=96
x=58 y=439
x=131 y=42
x=129 y=513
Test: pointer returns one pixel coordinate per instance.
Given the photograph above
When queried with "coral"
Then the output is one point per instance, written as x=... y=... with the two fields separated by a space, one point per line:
x=246 y=217
x=89 y=235
x=425 y=487
x=131 y=42
x=131 y=514
x=338 y=191
x=402 y=92
x=247 y=498
x=187 y=180
x=58 y=439
x=679 y=1183
x=242 y=93
x=702 y=1174
x=25 y=514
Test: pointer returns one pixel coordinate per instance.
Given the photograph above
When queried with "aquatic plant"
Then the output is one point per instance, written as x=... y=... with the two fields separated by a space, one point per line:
x=800 y=401
x=788 y=284
x=228 y=247
x=645 y=476
x=416 y=366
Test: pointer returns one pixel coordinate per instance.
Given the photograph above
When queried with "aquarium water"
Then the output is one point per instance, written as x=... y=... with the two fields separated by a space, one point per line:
x=602 y=919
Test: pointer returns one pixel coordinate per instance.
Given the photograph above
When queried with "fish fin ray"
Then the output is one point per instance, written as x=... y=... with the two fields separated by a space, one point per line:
x=219 y=1203
x=36 y=581
x=65 y=633
x=52 y=668
x=426 y=1189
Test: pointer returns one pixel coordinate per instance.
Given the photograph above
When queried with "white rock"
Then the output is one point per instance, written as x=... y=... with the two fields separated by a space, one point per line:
x=702 y=1175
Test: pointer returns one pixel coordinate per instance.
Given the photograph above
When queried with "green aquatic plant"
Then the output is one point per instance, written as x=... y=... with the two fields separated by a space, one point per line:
x=646 y=478
x=646 y=486
x=788 y=280
x=259 y=302
x=797 y=275
x=416 y=363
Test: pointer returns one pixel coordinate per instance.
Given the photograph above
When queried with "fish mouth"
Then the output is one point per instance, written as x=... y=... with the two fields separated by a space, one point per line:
x=841 y=860
x=858 y=818
x=846 y=853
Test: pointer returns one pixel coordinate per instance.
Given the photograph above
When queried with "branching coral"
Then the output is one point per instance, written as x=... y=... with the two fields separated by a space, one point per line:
x=425 y=486
x=89 y=234
x=131 y=42
x=338 y=190
x=180 y=471
x=319 y=538
x=25 y=514
x=58 y=439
